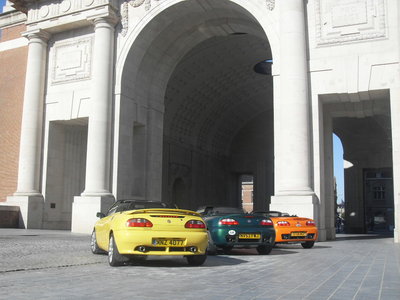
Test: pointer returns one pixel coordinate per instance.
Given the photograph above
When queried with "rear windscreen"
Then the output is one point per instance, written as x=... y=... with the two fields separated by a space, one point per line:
x=226 y=210
x=131 y=205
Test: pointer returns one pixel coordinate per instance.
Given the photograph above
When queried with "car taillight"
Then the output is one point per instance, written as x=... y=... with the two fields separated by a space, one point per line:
x=266 y=222
x=138 y=222
x=195 y=224
x=283 y=223
x=228 y=222
x=310 y=223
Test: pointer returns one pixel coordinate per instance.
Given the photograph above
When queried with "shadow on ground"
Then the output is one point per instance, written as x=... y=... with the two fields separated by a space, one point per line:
x=368 y=236
x=169 y=262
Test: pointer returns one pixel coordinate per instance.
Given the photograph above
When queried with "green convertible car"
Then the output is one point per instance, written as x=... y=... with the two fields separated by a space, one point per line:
x=230 y=227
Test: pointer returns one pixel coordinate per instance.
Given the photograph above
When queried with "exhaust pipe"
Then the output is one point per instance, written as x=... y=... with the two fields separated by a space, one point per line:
x=193 y=249
x=141 y=249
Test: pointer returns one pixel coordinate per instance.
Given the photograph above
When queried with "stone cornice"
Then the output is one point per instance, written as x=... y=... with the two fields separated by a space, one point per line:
x=55 y=16
x=22 y=5
x=46 y=10
x=12 y=18
x=36 y=34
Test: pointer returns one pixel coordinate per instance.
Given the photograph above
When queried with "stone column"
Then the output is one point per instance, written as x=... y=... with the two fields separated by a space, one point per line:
x=28 y=196
x=99 y=132
x=395 y=119
x=293 y=187
x=32 y=116
x=97 y=196
x=327 y=219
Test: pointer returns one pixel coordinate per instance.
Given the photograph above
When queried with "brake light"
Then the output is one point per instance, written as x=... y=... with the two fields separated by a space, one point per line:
x=266 y=222
x=138 y=222
x=283 y=223
x=228 y=222
x=310 y=223
x=195 y=224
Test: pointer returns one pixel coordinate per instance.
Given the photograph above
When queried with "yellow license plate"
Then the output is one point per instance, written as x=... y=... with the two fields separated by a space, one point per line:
x=168 y=242
x=300 y=234
x=249 y=235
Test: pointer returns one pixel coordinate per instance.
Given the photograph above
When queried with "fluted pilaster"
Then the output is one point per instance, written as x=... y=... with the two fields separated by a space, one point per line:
x=32 y=116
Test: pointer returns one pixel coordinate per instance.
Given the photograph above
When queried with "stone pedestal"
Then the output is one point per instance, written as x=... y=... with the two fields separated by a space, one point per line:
x=31 y=210
x=84 y=210
x=302 y=206
x=9 y=216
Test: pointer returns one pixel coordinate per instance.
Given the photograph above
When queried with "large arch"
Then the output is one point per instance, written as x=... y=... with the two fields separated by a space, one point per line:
x=364 y=127
x=188 y=83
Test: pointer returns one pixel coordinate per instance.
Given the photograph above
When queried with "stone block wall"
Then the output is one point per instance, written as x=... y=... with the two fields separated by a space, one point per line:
x=12 y=81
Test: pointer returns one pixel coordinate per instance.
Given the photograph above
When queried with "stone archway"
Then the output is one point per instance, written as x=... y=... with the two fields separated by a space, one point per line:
x=191 y=86
x=364 y=129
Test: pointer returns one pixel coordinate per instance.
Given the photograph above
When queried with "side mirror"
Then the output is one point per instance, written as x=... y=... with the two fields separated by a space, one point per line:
x=100 y=215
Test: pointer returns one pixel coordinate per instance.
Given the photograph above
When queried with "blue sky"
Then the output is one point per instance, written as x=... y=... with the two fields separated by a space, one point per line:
x=338 y=167
x=2 y=2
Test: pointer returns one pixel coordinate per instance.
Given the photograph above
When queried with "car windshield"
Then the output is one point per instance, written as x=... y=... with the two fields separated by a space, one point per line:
x=123 y=205
x=272 y=213
x=221 y=210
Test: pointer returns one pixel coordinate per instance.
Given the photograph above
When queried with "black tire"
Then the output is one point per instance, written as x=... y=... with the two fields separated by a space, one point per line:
x=264 y=249
x=308 y=244
x=196 y=260
x=114 y=257
x=93 y=244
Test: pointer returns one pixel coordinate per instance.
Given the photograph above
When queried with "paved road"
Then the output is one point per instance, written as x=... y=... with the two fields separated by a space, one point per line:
x=40 y=264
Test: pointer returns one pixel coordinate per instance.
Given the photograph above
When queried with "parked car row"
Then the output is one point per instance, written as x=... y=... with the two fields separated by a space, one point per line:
x=132 y=230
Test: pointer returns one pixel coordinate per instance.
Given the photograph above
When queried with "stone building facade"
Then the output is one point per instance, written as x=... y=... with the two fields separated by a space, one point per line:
x=159 y=100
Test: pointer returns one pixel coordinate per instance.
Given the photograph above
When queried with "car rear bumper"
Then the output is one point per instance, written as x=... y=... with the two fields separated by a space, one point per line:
x=145 y=243
x=225 y=237
x=287 y=235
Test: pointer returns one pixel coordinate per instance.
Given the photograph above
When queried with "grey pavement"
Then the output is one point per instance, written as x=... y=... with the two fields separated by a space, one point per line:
x=44 y=264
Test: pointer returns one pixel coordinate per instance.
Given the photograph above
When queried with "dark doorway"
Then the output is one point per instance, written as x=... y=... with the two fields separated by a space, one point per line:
x=378 y=199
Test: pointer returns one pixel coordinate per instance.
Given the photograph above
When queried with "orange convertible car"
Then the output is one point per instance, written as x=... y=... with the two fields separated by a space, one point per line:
x=292 y=229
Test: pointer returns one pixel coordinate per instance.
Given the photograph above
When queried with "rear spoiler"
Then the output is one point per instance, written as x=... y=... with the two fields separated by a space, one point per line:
x=164 y=210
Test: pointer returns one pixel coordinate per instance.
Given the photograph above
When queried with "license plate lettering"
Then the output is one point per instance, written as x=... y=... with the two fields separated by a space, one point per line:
x=299 y=234
x=168 y=242
x=249 y=236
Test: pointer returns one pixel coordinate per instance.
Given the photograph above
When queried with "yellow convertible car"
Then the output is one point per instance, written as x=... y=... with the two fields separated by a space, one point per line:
x=134 y=229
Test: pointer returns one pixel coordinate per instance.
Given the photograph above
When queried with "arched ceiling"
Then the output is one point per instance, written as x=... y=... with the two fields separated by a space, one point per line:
x=214 y=91
x=362 y=121
x=357 y=105
x=195 y=61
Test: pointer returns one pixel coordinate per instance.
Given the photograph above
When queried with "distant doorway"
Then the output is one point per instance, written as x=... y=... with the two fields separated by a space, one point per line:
x=247 y=192
x=379 y=204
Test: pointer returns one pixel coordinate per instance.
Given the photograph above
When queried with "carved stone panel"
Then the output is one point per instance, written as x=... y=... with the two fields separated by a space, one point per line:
x=44 y=10
x=137 y=3
x=342 y=21
x=270 y=4
x=71 y=60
